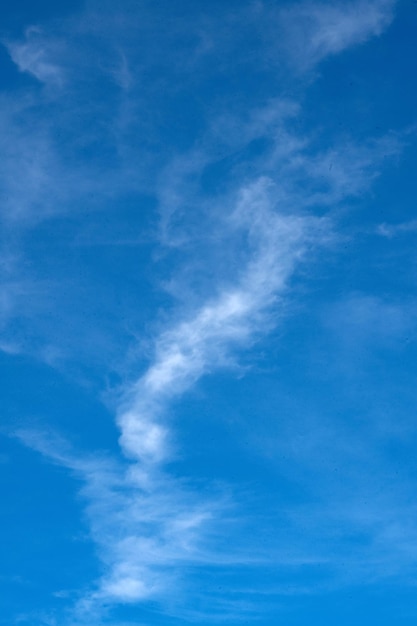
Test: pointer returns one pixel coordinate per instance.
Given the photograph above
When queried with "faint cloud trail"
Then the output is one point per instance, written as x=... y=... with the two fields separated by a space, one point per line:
x=144 y=521
x=183 y=354
x=195 y=346
x=316 y=30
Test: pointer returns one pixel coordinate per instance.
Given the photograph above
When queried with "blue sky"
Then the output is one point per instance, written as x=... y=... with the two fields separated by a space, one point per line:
x=208 y=313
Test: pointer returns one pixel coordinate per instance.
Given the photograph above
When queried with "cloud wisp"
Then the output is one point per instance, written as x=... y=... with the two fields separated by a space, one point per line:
x=202 y=343
x=316 y=31
x=143 y=520
x=146 y=522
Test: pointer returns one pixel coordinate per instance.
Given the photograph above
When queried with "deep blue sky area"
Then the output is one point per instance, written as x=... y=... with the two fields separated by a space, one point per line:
x=208 y=313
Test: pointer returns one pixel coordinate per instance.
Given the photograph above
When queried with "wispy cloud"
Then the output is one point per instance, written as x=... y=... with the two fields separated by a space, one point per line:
x=143 y=521
x=395 y=230
x=140 y=534
x=147 y=523
x=35 y=56
x=202 y=343
x=315 y=31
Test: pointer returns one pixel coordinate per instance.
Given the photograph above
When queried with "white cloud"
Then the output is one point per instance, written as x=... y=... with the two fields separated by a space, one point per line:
x=145 y=523
x=142 y=534
x=36 y=55
x=204 y=341
x=394 y=230
x=314 y=31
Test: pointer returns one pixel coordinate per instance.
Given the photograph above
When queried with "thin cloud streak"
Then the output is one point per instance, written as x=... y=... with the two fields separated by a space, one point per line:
x=35 y=56
x=140 y=535
x=143 y=521
x=394 y=230
x=316 y=31
x=202 y=343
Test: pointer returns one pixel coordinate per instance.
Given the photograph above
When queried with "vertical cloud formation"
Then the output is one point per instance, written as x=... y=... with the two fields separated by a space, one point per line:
x=197 y=345
x=143 y=521
x=184 y=353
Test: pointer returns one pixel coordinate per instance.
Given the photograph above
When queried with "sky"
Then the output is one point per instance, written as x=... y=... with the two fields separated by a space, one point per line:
x=208 y=313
